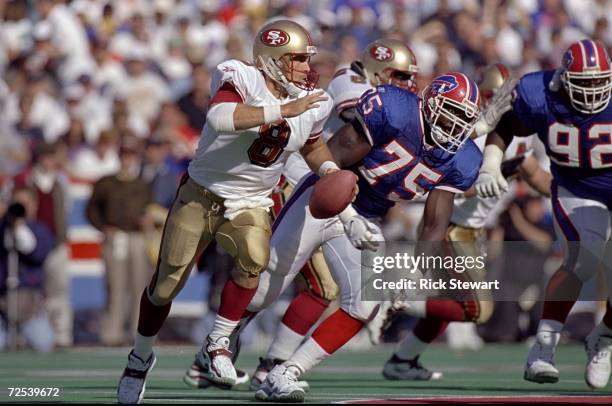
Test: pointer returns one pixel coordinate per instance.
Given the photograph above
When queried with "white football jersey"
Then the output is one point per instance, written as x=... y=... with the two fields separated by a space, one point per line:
x=345 y=89
x=473 y=212
x=247 y=164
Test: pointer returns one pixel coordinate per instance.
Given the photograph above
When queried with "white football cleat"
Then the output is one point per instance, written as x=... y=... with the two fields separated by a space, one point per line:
x=263 y=369
x=281 y=385
x=131 y=388
x=598 y=348
x=197 y=376
x=214 y=362
x=540 y=367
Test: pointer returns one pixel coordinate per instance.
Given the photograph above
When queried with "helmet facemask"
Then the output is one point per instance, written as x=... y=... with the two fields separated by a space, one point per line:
x=451 y=123
x=283 y=72
x=589 y=92
x=402 y=79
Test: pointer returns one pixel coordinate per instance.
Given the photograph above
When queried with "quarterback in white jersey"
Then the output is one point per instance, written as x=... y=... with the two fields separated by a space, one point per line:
x=258 y=115
x=384 y=61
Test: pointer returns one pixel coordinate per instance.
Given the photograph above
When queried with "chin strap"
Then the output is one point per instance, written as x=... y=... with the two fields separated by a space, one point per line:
x=275 y=73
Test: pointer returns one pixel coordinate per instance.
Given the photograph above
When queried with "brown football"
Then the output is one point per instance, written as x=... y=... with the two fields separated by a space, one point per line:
x=332 y=194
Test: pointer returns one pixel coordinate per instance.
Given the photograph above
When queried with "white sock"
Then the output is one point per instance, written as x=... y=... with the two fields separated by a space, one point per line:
x=553 y=326
x=285 y=342
x=143 y=346
x=308 y=355
x=410 y=347
x=549 y=333
x=222 y=328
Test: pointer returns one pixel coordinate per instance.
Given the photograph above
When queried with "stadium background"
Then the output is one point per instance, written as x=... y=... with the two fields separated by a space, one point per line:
x=86 y=75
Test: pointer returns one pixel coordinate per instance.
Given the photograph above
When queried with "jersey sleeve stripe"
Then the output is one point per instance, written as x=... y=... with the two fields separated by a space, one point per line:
x=449 y=189
x=227 y=93
x=314 y=137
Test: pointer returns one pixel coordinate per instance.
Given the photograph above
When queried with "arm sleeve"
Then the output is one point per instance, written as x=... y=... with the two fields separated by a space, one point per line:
x=94 y=206
x=231 y=77
x=371 y=114
x=464 y=172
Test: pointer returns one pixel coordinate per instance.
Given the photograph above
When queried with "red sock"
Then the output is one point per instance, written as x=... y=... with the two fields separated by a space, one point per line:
x=303 y=312
x=336 y=331
x=234 y=300
x=151 y=317
x=429 y=329
x=561 y=293
x=444 y=309
x=607 y=319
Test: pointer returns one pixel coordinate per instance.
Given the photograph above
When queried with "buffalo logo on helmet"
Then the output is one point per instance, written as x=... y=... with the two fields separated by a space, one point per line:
x=274 y=38
x=443 y=84
x=381 y=53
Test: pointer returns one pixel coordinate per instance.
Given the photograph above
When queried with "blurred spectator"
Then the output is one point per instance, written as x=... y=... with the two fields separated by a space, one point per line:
x=158 y=173
x=68 y=36
x=144 y=91
x=22 y=300
x=89 y=163
x=118 y=208
x=50 y=185
x=194 y=104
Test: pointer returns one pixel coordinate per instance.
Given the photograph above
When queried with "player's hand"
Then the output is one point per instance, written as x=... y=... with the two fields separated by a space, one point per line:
x=497 y=106
x=490 y=184
x=298 y=106
x=362 y=233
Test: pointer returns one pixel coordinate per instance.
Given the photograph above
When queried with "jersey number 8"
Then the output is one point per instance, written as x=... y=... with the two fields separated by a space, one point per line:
x=266 y=149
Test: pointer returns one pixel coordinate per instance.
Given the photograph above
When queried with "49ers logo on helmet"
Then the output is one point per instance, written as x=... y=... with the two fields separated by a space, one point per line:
x=381 y=53
x=274 y=38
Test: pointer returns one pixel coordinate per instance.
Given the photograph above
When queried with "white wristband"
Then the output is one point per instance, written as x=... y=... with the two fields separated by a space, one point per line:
x=326 y=166
x=348 y=213
x=272 y=113
x=492 y=159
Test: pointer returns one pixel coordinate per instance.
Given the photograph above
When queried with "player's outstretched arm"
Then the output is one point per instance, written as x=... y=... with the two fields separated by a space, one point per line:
x=234 y=116
x=535 y=176
x=318 y=157
x=437 y=215
x=491 y=181
x=348 y=146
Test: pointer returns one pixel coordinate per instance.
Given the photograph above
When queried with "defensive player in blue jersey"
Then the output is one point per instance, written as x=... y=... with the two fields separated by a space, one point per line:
x=399 y=146
x=569 y=108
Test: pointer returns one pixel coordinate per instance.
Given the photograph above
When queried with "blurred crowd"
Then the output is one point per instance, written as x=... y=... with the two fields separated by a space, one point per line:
x=118 y=90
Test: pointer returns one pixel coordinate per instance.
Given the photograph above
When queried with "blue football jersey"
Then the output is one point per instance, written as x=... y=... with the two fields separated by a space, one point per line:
x=400 y=165
x=579 y=145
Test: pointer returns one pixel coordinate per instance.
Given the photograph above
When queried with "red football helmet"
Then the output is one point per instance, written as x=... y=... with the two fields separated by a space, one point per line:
x=586 y=76
x=451 y=108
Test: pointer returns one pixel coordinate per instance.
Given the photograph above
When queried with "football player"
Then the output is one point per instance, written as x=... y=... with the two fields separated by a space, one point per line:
x=465 y=232
x=384 y=61
x=259 y=114
x=569 y=108
x=400 y=147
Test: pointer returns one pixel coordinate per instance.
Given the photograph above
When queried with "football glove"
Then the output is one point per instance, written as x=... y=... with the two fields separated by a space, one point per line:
x=491 y=181
x=361 y=232
x=497 y=106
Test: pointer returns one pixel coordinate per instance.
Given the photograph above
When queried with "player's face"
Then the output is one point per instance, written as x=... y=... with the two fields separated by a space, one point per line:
x=587 y=97
x=296 y=67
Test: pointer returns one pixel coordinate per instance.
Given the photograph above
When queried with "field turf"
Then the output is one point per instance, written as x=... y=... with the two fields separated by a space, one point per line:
x=89 y=375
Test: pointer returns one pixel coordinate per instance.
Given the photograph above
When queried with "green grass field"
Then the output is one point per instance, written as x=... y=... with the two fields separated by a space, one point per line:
x=89 y=375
